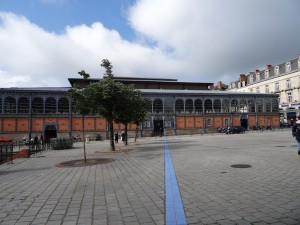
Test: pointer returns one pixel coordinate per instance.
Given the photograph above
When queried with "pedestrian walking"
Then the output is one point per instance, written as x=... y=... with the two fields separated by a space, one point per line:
x=296 y=133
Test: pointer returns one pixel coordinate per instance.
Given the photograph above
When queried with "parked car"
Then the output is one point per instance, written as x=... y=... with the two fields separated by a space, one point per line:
x=235 y=130
x=284 y=125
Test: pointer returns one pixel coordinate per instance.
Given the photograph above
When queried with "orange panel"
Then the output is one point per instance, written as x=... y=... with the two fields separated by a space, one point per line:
x=37 y=124
x=22 y=125
x=63 y=124
x=9 y=125
x=100 y=124
x=236 y=121
x=218 y=121
x=180 y=122
x=116 y=126
x=261 y=120
x=89 y=124
x=251 y=121
x=0 y=124
x=122 y=127
x=76 y=124
x=199 y=121
x=189 y=120
x=275 y=120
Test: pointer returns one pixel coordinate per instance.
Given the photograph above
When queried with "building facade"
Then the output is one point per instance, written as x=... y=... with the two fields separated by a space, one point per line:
x=34 y=111
x=283 y=79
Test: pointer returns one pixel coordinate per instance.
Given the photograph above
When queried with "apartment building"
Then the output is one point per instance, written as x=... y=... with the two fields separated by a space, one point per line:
x=283 y=79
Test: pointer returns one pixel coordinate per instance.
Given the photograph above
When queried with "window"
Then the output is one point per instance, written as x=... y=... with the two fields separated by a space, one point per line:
x=288 y=84
x=257 y=90
x=257 y=77
x=276 y=70
x=250 y=89
x=277 y=86
x=288 y=67
x=266 y=73
x=209 y=122
x=251 y=79
x=290 y=98
x=267 y=89
x=226 y=121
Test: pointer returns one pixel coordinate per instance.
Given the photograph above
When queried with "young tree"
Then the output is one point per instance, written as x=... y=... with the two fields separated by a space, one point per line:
x=132 y=109
x=81 y=106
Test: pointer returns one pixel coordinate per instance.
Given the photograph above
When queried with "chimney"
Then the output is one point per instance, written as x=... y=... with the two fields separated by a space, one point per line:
x=219 y=85
x=256 y=71
x=268 y=67
x=243 y=78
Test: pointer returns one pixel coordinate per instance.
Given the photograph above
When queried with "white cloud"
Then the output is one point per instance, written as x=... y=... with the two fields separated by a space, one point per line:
x=220 y=38
x=191 y=40
x=48 y=59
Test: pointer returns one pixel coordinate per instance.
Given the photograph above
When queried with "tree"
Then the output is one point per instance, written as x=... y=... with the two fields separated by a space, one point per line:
x=113 y=100
x=133 y=108
x=81 y=106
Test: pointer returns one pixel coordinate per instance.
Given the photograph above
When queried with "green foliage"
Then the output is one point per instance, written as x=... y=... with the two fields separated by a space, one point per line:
x=132 y=107
x=113 y=100
x=108 y=68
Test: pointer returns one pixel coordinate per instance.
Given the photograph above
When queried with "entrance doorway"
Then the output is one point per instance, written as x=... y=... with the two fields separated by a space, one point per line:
x=158 y=127
x=244 y=121
x=50 y=132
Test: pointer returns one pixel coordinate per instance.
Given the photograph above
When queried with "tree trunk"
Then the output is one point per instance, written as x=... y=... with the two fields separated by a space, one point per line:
x=126 y=134
x=83 y=136
x=111 y=130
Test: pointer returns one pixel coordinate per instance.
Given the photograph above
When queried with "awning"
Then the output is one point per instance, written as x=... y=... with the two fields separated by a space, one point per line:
x=3 y=139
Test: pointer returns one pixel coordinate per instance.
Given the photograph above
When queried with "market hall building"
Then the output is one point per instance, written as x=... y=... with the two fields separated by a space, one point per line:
x=176 y=108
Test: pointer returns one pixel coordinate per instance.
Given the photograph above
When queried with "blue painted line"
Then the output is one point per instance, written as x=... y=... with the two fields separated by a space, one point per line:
x=174 y=207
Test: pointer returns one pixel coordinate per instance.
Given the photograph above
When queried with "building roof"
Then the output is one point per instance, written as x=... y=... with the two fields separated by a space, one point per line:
x=203 y=92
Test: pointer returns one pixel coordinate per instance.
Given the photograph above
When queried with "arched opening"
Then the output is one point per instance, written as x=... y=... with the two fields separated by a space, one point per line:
x=217 y=106
x=37 y=105
x=50 y=105
x=157 y=106
x=23 y=105
x=251 y=106
x=225 y=106
x=63 y=105
x=189 y=106
x=179 y=106
x=208 y=106
x=169 y=105
x=10 y=105
x=234 y=105
x=268 y=105
x=198 y=106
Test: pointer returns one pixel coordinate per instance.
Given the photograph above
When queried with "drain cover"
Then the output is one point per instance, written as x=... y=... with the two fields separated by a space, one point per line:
x=81 y=162
x=241 y=166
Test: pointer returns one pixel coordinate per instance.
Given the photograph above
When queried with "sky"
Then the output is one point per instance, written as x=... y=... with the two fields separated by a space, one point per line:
x=45 y=42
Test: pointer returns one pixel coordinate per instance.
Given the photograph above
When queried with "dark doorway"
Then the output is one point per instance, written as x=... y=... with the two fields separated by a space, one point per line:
x=50 y=132
x=244 y=123
x=158 y=127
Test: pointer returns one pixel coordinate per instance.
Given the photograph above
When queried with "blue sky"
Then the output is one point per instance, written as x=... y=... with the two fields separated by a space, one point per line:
x=55 y=15
x=44 y=42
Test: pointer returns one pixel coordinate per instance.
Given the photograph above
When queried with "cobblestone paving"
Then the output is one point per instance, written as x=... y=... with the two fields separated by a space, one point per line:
x=131 y=189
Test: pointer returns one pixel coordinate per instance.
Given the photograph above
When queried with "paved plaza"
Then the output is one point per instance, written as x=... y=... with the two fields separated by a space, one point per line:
x=132 y=189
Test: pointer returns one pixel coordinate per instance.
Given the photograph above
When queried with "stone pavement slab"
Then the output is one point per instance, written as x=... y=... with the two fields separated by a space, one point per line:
x=131 y=190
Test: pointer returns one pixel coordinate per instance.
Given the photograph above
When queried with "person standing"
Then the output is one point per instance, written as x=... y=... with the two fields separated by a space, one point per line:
x=123 y=137
x=116 y=137
x=296 y=133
